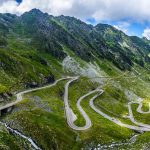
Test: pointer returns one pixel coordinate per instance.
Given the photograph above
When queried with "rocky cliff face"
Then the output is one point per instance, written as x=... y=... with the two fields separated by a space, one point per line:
x=33 y=46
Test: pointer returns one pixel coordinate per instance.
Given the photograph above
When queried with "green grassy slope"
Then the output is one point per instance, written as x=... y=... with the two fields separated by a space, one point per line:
x=41 y=116
x=33 y=52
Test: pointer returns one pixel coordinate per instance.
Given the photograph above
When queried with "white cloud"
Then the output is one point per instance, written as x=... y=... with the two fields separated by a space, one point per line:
x=146 y=33
x=55 y=7
x=108 y=10
x=8 y=6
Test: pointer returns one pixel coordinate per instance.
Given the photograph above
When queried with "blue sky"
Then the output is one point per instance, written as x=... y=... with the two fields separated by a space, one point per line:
x=18 y=1
x=130 y=16
x=129 y=27
x=132 y=28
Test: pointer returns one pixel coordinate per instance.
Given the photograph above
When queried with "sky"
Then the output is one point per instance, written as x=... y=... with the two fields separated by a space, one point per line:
x=130 y=16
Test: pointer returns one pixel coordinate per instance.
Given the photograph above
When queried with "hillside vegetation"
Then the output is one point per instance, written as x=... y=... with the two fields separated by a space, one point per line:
x=36 y=49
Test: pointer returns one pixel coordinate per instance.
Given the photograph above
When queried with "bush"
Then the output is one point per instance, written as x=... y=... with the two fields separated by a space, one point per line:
x=3 y=41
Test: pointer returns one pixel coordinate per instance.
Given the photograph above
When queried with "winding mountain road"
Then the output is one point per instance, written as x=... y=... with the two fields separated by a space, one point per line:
x=131 y=116
x=139 y=109
x=70 y=115
x=19 y=96
x=68 y=111
x=144 y=128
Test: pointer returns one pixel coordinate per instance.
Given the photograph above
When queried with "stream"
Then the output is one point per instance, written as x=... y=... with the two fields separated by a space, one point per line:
x=13 y=131
x=132 y=140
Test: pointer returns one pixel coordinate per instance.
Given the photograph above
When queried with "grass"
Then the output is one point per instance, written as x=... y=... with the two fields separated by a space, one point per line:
x=8 y=141
x=114 y=103
x=2 y=88
x=76 y=90
x=41 y=114
x=146 y=102
x=143 y=118
x=50 y=130
x=22 y=65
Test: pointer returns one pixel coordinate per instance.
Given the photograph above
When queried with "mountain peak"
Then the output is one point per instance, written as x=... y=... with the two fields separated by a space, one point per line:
x=35 y=10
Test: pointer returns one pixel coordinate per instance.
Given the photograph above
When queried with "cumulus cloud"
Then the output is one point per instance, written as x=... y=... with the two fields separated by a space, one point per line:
x=146 y=33
x=8 y=6
x=55 y=7
x=2 y=1
x=108 y=10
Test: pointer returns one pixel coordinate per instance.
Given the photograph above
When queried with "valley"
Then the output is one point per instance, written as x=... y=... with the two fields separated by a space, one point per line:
x=66 y=85
x=71 y=117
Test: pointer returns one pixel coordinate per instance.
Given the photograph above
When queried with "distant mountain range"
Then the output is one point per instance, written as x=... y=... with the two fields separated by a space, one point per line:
x=37 y=49
x=28 y=42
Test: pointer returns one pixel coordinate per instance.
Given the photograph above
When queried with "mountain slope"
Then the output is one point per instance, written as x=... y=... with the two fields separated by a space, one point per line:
x=37 y=48
x=50 y=33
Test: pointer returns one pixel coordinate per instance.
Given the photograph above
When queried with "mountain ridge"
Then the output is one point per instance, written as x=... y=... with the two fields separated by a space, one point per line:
x=38 y=49
x=41 y=33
